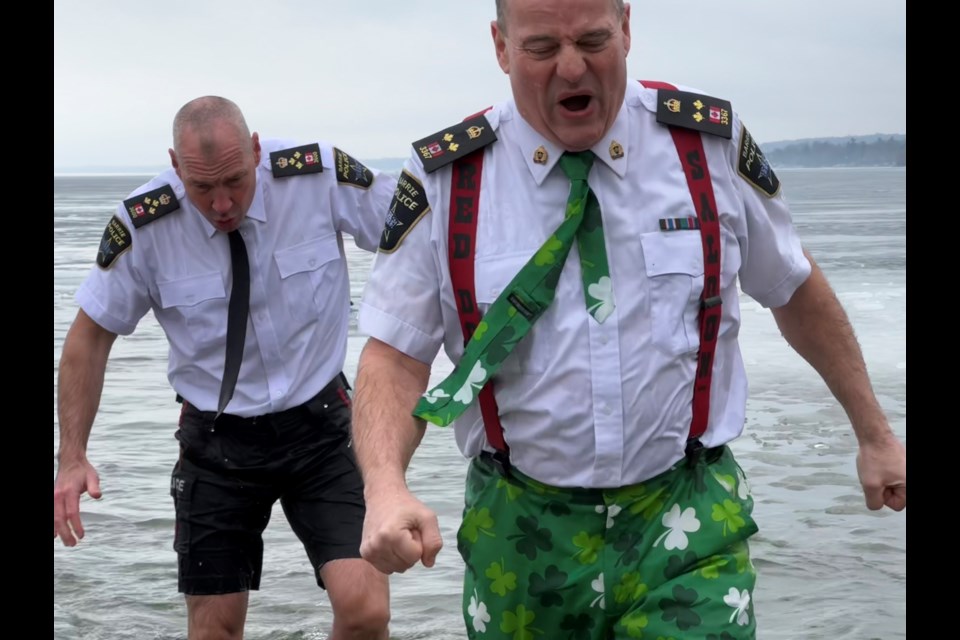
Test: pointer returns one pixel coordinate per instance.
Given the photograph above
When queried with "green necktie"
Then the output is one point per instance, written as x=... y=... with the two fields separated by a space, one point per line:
x=528 y=295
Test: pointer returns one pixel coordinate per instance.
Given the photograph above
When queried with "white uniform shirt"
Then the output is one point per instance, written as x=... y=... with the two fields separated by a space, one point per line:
x=587 y=404
x=179 y=266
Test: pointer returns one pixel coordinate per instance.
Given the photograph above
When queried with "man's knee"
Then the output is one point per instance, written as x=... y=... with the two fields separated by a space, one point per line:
x=359 y=595
x=219 y=617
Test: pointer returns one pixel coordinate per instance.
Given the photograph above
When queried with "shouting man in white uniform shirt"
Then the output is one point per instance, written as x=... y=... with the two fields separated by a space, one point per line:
x=576 y=251
x=238 y=251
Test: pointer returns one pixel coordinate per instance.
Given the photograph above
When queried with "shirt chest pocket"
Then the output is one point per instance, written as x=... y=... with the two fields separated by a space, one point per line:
x=308 y=273
x=492 y=275
x=673 y=262
x=199 y=304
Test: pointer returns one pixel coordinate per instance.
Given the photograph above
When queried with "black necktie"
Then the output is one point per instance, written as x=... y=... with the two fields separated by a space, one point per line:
x=236 y=318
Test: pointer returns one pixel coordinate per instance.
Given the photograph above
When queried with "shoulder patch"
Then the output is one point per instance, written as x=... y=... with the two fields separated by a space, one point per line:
x=409 y=205
x=351 y=171
x=695 y=111
x=296 y=161
x=116 y=239
x=454 y=142
x=754 y=166
x=147 y=207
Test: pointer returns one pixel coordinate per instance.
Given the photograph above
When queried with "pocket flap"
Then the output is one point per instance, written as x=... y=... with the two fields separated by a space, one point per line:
x=672 y=252
x=307 y=256
x=494 y=273
x=187 y=292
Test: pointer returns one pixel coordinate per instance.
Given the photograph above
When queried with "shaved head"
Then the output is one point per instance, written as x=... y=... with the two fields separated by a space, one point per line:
x=502 y=8
x=203 y=116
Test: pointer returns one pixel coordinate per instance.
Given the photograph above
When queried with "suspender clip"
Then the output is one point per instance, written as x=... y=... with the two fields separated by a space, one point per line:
x=694 y=451
x=712 y=301
x=501 y=460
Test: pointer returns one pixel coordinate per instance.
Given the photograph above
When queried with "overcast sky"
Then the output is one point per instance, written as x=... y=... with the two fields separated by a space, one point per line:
x=372 y=76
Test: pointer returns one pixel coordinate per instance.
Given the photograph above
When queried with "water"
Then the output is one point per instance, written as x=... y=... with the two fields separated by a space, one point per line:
x=828 y=567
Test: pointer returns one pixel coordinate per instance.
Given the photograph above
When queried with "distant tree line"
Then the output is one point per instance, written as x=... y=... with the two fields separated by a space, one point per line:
x=883 y=152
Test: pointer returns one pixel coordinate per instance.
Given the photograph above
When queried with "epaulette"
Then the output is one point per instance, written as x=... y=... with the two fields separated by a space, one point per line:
x=445 y=146
x=695 y=111
x=296 y=161
x=147 y=207
x=350 y=171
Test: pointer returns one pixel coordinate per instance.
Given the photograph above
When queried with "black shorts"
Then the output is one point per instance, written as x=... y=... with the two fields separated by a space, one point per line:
x=232 y=471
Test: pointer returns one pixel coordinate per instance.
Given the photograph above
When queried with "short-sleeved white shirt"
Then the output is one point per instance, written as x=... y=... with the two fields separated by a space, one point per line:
x=581 y=403
x=178 y=266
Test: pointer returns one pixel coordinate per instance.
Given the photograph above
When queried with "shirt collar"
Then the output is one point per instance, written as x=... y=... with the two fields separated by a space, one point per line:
x=541 y=154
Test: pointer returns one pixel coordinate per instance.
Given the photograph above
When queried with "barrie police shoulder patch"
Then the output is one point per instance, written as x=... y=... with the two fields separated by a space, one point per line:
x=695 y=111
x=409 y=205
x=754 y=166
x=445 y=146
x=116 y=239
x=351 y=171
x=296 y=161
x=147 y=207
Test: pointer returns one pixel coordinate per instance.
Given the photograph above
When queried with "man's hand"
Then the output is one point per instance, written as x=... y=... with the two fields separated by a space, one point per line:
x=882 y=467
x=73 y=479
x=398 y=531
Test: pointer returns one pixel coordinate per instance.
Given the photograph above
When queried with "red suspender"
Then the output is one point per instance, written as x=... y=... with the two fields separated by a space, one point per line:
x=694 y=161
x=464 y=211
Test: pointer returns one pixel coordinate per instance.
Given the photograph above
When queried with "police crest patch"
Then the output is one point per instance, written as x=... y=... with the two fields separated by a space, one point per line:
x=147 y=207
x=351 y=171
x=409 y=205
x=754 y=166
x=454 y=142
x=116 y=239
x=296 y=161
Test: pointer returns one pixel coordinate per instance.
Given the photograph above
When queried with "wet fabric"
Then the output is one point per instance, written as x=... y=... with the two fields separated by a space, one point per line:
x=666 y=558
x=231 y=472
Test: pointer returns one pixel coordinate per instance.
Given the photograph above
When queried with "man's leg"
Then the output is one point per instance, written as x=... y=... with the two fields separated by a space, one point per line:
x=219 y=617
x=360 y=597
x=219 y=522
x=324 y=505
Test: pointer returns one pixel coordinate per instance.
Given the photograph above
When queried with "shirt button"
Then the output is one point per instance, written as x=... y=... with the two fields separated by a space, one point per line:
x=604 y=340
x=607 y=410
x=313 y=261
x=494 y=292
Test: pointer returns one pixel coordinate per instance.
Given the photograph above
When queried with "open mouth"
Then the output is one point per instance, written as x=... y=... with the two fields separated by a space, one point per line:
x=576 y=103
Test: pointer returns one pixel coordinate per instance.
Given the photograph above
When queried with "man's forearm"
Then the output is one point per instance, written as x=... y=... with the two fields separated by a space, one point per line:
x=386 y=435
x=816 y=326
x=83 y=362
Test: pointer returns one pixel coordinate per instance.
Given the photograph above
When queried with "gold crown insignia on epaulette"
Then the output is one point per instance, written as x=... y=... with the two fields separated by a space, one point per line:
x=445 y=146
x=695 y=111
x=152 y=205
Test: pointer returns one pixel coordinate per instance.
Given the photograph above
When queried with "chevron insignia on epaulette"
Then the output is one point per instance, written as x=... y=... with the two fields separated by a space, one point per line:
x=296 y=161
x=149 y=206
x=454 y=142
x=695 y=111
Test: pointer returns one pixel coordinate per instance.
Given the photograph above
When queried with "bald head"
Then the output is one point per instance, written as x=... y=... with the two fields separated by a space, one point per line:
x=205 y=116
x=502 y=12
